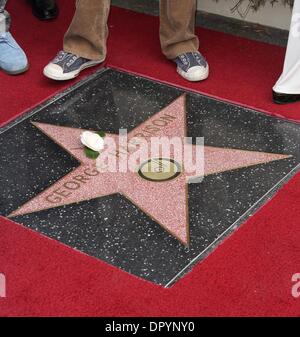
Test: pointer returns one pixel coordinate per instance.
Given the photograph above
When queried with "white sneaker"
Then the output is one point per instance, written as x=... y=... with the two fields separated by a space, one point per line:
x=67 y=66
x=192 y=66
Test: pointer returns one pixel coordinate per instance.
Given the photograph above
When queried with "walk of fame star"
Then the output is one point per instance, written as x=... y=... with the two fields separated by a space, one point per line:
x=166 y=199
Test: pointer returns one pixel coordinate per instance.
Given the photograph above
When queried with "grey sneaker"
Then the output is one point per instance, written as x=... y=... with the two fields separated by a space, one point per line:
x=192 y=66
x=66 y=66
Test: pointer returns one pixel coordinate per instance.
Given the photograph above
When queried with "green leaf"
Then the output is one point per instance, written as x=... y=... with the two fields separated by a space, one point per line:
x=90 y=153
x=101 y=134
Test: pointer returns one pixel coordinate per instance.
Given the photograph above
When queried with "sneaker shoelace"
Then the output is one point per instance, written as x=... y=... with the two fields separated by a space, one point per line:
x=62 y=55
x=184 y=58
x=199 y=58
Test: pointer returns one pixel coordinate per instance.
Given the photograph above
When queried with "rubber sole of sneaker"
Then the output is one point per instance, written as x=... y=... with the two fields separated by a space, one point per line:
x=73 y=74
x=17 y=72
x=190 y=78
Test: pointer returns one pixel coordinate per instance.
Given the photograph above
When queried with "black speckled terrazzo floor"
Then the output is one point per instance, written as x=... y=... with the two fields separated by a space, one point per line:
x=111 y=228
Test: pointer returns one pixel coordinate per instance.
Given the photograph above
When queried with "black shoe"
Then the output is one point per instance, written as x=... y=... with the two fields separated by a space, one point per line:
x=280 y=98
x=44 y=9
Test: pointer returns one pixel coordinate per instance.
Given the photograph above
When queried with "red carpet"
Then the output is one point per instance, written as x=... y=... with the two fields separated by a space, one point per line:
x=249 y=274
x=242 y=71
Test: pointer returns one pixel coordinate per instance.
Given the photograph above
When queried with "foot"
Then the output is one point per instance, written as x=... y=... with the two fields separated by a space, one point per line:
x=66 y=66
x=13 y=60
x=192 y=66
x=44 y=9
x=281 y=98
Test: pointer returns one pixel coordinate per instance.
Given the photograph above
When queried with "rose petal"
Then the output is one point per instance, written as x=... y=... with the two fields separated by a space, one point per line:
x=92 y=140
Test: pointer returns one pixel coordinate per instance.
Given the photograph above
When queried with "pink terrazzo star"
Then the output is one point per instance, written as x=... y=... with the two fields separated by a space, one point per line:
x=164 y=201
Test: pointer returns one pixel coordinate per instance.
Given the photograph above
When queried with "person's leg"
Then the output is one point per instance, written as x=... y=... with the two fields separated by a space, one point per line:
x=287 y=87
x=177 y=27
x=87 y=34
x=178 y=39
x=84 y=42
x=12 y=58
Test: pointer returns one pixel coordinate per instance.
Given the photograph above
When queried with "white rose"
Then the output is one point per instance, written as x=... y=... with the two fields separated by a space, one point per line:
x=92 y=140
